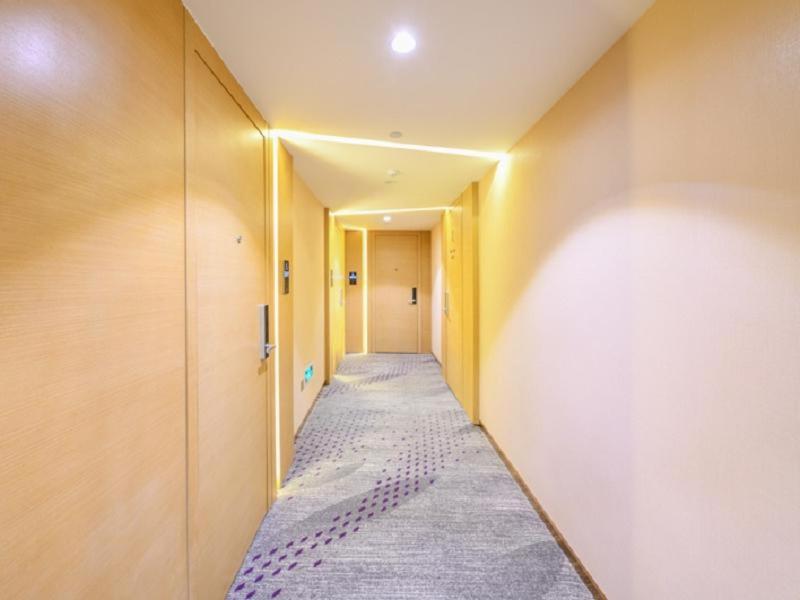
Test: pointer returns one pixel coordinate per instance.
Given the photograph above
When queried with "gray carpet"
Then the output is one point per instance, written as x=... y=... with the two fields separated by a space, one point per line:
x=393 y=494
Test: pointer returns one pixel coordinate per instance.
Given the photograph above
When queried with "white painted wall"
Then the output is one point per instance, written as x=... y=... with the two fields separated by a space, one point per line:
x=640 y=306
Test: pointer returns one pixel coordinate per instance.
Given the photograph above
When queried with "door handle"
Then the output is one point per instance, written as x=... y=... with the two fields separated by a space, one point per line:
x=413 y=296
x=265 y=348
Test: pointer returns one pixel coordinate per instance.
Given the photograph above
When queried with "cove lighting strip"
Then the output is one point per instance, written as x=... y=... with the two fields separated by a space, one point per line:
x=289 y=134
x=388 y=211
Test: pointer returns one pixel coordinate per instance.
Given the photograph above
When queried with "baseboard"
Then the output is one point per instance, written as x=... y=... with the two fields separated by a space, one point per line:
x=580 y=569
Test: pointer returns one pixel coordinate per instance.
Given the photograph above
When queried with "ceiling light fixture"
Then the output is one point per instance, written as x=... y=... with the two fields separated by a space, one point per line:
x=288 y=134
x=403 y=42
x=387 y=218
x=395 y=134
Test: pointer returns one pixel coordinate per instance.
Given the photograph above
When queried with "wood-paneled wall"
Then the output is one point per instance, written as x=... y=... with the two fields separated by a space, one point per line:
x=354 y=294
x=460 y=323
x=335 y=260
x=309 y=282
x=469 y=241
x=227 y=237
x=92 y=348
x=284 y=171
x=94 y=444
x=425 y=291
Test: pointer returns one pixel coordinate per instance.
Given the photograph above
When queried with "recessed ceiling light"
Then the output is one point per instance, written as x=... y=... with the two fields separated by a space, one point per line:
x=395 y=134
x=393 y=172
x=403 y=42
x=387 y=218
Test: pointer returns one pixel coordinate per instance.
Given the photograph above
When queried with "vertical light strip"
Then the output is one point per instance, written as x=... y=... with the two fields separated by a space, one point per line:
x=365 y=297
x=275 y=313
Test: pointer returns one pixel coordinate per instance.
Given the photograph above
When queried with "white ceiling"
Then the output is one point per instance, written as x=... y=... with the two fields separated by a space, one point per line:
x=355 y=177
x=482 y=74
x=401 y=221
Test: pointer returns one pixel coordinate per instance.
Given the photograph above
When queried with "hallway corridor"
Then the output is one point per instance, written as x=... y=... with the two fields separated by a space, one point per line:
x=394 y=494
x=427 y=300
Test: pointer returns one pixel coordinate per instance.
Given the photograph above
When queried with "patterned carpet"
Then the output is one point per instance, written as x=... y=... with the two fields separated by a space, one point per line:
x=393 y=494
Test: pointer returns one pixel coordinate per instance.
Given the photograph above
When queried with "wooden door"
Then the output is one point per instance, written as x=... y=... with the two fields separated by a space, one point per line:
x=396 y=317
x=227 y=260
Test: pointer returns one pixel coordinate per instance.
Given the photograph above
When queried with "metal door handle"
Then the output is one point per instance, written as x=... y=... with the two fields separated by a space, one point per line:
x=265 y=348
x=413 y=296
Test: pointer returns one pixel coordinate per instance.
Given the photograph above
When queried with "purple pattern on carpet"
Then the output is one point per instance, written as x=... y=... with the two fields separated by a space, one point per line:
x=428 y=445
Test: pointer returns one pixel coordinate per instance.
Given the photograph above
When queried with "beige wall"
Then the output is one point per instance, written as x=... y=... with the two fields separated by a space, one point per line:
x=309 y=305
x=437 y=278
x=640 y=312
